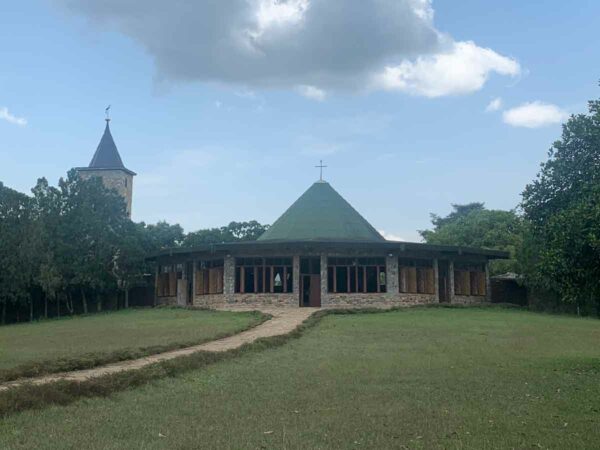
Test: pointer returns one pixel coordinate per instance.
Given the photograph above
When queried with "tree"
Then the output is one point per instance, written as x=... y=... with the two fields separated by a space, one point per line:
x=562 y=208
x=163 y=235
x=15 y=248
x=93 y=221
x=46 y=209
x=73 y=241
x=235 y=231
x=472 y=225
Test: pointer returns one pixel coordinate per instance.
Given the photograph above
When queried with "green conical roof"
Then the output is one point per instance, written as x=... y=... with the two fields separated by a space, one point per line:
x=321 y=214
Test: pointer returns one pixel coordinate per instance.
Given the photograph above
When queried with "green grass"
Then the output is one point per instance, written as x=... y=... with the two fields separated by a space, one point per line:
x=83 y=342
x=420 y=378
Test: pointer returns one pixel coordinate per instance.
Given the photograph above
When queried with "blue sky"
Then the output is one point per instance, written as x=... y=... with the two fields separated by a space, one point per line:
x=219 y=133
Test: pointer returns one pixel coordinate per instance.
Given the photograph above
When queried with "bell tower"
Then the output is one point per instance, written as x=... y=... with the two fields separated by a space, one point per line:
x=107 y=165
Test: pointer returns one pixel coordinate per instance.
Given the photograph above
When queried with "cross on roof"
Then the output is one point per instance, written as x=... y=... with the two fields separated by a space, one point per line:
x=321 y=166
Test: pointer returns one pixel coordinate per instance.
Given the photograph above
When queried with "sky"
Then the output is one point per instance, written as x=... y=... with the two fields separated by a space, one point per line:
x=224 y=107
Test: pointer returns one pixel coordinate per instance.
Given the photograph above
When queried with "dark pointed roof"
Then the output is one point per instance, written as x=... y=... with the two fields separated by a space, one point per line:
x=321 y=214
x=106 y=156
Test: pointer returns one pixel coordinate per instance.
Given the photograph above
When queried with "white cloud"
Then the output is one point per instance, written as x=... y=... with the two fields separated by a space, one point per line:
x=312 y=92
x=10 y=118
x=494 y=105
x=390 y=236
x=272 y=13
x=534 y=115
x=463 y=69
x=313 y=46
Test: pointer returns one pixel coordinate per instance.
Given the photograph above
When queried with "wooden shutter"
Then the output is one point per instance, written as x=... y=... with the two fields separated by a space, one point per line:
x=482 y=284
x=411 y=280
x=172 y=284
x=429 y=281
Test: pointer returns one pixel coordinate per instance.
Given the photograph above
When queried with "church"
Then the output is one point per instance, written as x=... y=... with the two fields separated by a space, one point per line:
x=320 y=253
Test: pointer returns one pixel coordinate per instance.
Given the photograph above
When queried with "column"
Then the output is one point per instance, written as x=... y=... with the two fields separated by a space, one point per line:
x=391 y=274
x=451 y=281
x=229 y=275
x=296 y=275
x=324 y=279
x=156 y=274
x=488 y=283
x=436 y=279
x=193 y=281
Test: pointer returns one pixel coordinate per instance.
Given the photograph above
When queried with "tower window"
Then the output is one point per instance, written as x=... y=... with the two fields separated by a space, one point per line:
x=125 y=182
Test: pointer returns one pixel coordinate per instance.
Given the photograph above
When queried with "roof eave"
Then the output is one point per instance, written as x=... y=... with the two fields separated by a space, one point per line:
x=388 y=245
x=95 y=169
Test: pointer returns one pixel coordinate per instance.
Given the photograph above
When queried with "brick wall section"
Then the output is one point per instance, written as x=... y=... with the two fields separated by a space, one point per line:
x=120 y=181
x=468 y=299
x=296 y=276
x=323 y=277
x=229 y=275
x=376 y=300
x=392 y=280
x=329 y=301
x=246 y=299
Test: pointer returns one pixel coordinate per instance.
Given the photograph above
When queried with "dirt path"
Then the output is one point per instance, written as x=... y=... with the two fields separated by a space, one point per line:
x=284 y=321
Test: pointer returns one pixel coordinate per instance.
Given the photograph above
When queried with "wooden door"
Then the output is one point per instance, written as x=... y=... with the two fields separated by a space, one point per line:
x=310 y=291
x=315 y=291
x=444 y=287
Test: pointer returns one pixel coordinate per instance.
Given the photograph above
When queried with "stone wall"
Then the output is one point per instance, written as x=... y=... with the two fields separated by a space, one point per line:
x=118 y=180
x=468 y=299
x=246 y=299
x=376 y=300
x=329 y=301
x=229 y=275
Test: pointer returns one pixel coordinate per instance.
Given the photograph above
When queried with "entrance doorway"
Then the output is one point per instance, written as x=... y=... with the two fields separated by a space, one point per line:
x=444 y=282
x=310 y=282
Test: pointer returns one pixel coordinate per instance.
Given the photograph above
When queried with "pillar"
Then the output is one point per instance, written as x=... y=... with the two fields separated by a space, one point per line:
x=323 y=279
x=156 y=274
x=229 y=275
x=436 y=279
x=193 y=281
x=451 y=281
x=391 y=274
x=488 y=283
x=296 y=275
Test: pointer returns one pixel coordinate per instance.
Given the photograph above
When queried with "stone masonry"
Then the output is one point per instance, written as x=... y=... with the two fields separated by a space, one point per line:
x=115 y=179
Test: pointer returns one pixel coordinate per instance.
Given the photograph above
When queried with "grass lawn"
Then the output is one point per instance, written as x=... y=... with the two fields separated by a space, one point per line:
x=420 y=378
x=85 y=341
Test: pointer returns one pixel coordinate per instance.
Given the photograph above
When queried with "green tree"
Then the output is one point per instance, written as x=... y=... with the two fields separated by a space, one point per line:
x=472 y=225
x=16 y=270
x=163 y=235
x=235 y=231
x=46 y=209
x=94 y=220
x=561 y=205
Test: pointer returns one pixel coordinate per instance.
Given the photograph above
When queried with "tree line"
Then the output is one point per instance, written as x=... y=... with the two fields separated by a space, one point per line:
x=71 y=248
x=553 y=235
